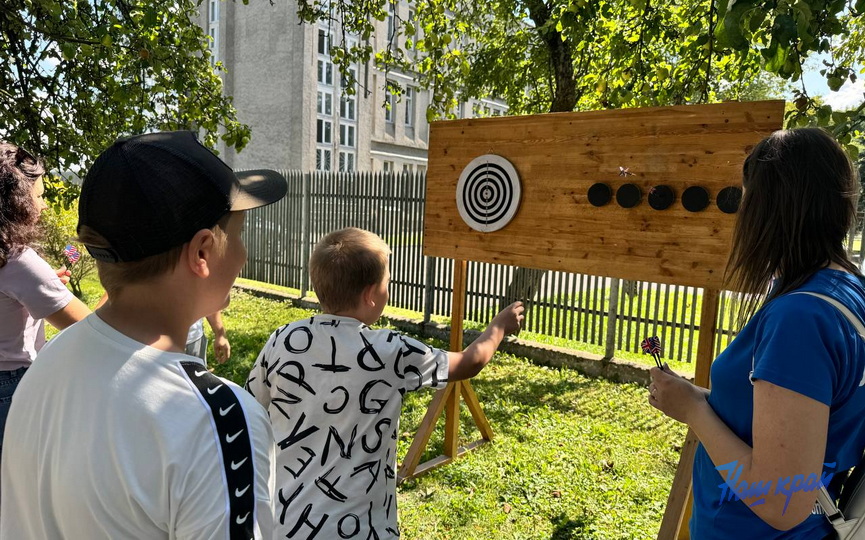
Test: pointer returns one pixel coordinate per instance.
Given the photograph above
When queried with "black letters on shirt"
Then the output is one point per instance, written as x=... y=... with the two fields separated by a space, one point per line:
x=338 y=409
x=300 y=349
x=364 y=403
x=369 y=349
x=296 y=434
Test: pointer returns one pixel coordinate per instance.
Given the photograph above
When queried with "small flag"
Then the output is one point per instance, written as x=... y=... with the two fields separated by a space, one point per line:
x=652 y=345
x=72 y=253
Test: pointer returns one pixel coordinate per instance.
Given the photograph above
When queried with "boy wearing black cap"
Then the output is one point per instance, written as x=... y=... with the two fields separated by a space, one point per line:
x=120 y=434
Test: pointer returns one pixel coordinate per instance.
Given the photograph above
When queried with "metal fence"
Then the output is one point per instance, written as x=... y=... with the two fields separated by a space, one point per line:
x=568 y=307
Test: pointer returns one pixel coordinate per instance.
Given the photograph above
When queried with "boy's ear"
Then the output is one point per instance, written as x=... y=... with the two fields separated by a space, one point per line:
x=199 y=253
x=367 y=296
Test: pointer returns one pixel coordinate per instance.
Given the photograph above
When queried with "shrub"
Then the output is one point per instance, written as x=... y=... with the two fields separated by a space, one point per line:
x=58 y=223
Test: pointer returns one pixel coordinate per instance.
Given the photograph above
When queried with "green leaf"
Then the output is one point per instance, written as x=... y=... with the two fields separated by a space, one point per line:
x=784 y=29
x=834 y=83
x=729 y=32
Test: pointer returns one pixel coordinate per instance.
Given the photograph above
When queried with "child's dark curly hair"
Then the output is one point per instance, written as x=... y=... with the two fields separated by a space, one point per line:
x=18 y=214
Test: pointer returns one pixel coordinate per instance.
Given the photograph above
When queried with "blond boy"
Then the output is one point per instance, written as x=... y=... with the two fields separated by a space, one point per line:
x=333 y=387
x=119 y=434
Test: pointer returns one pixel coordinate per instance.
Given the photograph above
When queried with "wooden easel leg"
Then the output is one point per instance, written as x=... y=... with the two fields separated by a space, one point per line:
x=680 y=494
x=452 y=422
x=477 y=413
x=448 y=400
x=427 y=425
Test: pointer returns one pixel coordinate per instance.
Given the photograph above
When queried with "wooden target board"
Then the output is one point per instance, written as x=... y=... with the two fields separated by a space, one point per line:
x=653 y=161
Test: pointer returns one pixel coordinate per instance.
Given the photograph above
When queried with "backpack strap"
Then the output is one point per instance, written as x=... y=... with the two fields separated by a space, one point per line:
x=235 y=447
x=854 y=320
x=833 y=513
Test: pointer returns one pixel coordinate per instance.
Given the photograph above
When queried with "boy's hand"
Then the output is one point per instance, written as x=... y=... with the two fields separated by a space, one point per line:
x=222 y=348
x=510 y=318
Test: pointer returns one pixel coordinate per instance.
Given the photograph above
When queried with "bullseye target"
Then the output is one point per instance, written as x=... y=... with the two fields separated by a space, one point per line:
x=488 y=193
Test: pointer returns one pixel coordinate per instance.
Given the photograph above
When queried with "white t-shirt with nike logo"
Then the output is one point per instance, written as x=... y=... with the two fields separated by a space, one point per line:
x=113 y=441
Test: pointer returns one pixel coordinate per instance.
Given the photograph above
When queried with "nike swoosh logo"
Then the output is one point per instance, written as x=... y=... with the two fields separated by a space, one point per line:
x=239 y=493
x=230 y=438
x=240 y=520
x=235 y=466
x=223 y=412
x=200 y=373
x=213 y=390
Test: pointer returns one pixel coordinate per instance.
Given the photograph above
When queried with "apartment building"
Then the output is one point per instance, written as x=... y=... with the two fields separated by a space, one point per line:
x=296 y=103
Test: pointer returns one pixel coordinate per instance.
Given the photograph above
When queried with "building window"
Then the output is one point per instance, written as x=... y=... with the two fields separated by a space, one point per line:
x=214 y=11
x=409 y=106
x=214 y=43
x=407 y=167
x=346 y=135
x=387 y=166
x=346 y=107
x=323 y=42
x=325 y=103
x=322 y=159
x=411 y=19
x=391 y=19
x=346 y=161
x=323 y=131
x=325 y=72
x=390 y=108
x=421 y=169
x=497 y=112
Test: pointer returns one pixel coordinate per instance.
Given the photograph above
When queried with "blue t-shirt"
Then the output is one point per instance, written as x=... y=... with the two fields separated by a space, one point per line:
x=804 y=344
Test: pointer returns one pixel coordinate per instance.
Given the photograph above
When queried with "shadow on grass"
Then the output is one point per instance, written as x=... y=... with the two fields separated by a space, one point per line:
x=568 y=529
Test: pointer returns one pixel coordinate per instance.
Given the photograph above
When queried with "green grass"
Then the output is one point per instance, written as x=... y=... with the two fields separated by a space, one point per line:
x=573 y=457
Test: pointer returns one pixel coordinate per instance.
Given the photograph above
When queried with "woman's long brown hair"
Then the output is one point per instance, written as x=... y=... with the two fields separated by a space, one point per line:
x=18 y=215
x=799 y=202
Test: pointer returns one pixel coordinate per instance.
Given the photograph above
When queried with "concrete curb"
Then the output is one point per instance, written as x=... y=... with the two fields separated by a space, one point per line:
x=591 y=365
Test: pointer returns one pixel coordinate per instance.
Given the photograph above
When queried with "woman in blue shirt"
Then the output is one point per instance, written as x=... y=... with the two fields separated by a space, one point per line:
x=787 y=395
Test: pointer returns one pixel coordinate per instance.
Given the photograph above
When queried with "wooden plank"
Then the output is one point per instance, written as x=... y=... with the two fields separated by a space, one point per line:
x=427 y=466
x=452 y=420
x=427 y=425
x=459 y=305
x=705 y=345
x=680 y=493
x=559 y=156
x=474 y=405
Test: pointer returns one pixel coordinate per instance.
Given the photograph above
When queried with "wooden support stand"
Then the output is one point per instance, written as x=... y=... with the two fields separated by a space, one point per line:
x=447 y=400
x=680 y=498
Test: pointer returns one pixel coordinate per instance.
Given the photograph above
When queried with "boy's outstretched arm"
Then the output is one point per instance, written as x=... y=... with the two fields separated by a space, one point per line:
x=221 y=346
x=467 y=364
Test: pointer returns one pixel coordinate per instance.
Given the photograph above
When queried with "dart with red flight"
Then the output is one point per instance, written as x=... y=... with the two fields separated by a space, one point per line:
x=652 y=345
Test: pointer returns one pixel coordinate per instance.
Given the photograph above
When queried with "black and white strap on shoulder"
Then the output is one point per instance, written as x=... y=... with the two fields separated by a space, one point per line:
x=235 y=442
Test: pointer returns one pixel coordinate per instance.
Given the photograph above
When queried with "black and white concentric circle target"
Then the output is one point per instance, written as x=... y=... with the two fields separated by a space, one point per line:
x=488 y=193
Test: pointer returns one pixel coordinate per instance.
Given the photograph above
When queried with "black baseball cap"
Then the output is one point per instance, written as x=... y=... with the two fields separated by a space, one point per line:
x=149 y=193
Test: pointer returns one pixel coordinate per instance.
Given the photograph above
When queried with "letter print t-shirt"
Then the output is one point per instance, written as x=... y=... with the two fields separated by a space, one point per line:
x=333 y=388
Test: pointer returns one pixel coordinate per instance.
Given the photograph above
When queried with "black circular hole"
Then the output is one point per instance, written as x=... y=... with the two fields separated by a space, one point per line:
x=629 y=195
x=695 y=199
x=661 y=197
x=729 y=199
x=600 y=194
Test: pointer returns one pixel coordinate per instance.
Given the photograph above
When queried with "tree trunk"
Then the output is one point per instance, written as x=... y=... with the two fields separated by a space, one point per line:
x=527 y=281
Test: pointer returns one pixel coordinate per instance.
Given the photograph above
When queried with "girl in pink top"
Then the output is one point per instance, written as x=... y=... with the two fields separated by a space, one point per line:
x=30 y=291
